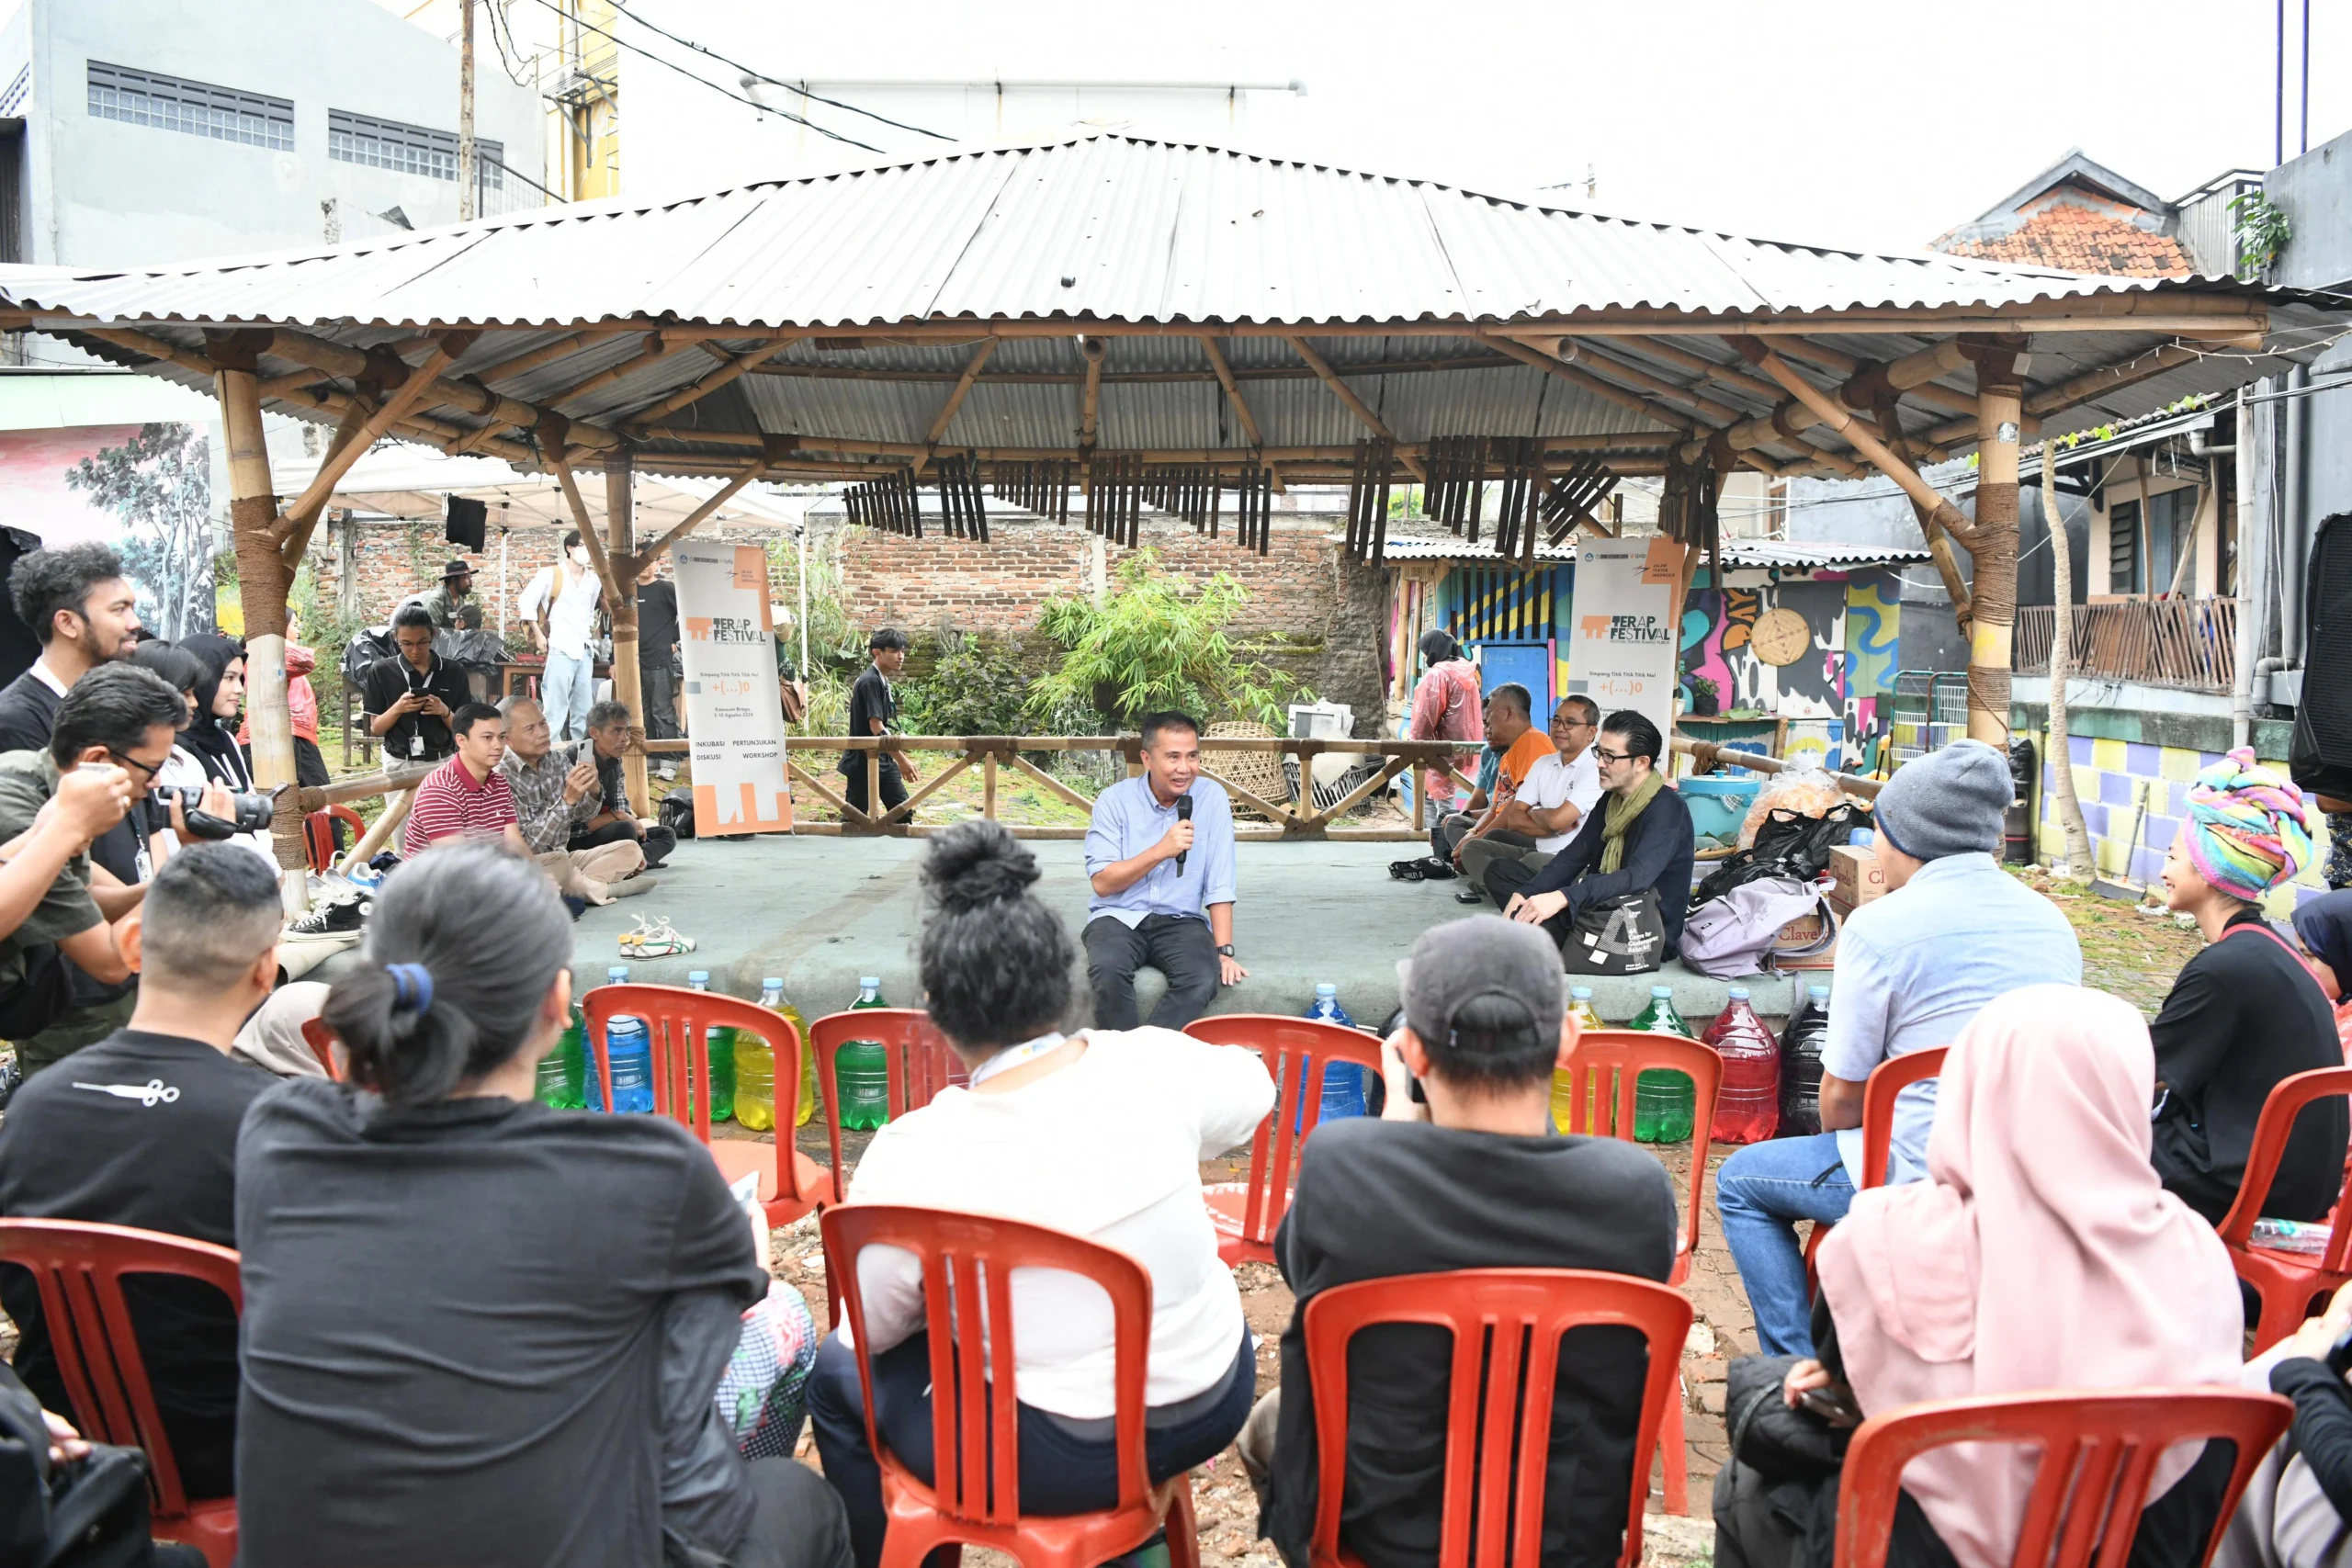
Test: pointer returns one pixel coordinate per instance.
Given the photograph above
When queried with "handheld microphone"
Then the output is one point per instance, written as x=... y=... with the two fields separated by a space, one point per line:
x=1183 y=814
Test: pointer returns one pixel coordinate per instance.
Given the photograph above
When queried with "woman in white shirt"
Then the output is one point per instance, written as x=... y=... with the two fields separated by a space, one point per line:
x=1101 y=1134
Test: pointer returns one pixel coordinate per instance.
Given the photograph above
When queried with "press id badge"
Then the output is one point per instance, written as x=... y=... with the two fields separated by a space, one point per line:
x=416 y=743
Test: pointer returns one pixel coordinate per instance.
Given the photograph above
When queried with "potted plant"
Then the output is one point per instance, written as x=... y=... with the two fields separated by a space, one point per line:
x=1704 y=694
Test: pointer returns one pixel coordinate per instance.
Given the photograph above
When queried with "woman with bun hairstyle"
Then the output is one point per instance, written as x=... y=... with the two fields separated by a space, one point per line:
x=1099 y=1133
x=477 y=1330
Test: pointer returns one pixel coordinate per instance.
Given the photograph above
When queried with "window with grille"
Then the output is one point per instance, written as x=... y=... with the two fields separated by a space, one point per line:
x=200 y=108
x=2123 y=549
x=408 y=149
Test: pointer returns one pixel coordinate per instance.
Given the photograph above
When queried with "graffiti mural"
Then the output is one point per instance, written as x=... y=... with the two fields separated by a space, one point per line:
x=159 y=484
x=1873 y=626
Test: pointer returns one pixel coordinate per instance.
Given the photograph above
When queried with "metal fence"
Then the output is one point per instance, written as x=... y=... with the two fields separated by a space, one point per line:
x=2190 y=644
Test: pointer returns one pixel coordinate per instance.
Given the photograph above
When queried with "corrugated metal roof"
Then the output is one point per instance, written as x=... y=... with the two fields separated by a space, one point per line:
x=1737 y=553
x=1147 y=234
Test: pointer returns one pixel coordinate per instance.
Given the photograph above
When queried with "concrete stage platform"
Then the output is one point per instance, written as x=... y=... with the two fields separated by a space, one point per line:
x=820 y=911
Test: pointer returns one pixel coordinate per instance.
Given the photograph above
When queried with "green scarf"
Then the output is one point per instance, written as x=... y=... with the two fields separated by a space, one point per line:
x=1618 y=817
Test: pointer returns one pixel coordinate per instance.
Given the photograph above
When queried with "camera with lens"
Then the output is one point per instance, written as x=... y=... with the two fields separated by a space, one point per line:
x=251 y=812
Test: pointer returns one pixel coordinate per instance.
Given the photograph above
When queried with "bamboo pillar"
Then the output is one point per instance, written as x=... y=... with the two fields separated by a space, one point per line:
x=262 y=578
x=628 y=689
x=1994 y=548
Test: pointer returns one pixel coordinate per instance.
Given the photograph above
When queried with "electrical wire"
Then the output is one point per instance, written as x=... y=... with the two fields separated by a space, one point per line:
x=704 y=80
x=772 y=81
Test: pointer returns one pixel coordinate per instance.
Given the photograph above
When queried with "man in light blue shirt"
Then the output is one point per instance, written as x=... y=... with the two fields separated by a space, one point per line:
x=1953 y=931
x=1163 y=883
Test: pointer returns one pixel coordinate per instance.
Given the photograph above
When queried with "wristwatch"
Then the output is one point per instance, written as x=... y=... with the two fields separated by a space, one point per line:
x=1227 y=949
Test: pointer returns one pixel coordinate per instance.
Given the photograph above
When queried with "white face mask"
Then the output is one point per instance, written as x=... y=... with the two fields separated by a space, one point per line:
x=579 y=556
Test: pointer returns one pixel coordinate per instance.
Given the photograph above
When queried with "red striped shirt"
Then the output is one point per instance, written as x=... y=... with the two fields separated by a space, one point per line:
x=451 y=804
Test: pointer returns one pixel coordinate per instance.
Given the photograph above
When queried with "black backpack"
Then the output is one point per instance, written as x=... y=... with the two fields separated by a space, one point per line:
x=1787 y=843
x=89 y=1513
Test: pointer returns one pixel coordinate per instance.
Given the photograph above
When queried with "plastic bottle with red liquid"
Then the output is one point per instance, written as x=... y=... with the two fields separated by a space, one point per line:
x=1747 y=1108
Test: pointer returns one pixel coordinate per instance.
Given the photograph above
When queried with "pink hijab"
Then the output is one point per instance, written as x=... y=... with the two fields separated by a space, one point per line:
x=2041 y=1252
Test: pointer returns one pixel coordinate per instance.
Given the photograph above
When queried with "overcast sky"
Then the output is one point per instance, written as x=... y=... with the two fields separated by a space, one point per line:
x=1876 y=123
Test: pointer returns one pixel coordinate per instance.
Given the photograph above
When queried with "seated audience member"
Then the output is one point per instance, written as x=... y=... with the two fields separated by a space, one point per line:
x=66 y=955
x=2040 y=1253
x=1640 y=839
x=84 y=614
x=2294 y=1509
x=1953 y=931
x=1099 y=1133
x=271 y=1039
x=183 y=672
x=1446 y=706
x=411 y=697
x=469 y=796
x=1550 y=805
x=211 y=733
x=1474 y=1180
x=2323 y=927
x=434 y=1379
x=142 y=1131
x=2245 y=1012
x=557 y=790
x=1510 y=731
x=613 y=822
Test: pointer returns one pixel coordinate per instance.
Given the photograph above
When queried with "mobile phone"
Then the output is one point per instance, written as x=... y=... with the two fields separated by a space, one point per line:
x=1831 y=1404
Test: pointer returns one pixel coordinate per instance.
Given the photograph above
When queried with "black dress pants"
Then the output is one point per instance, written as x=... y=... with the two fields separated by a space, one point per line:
x=894 y=788
x=1178 y=946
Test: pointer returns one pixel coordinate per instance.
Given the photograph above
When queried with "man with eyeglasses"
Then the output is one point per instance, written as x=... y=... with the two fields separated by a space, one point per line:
x=65 y=982
x=1640 y=838
x=1551 y=804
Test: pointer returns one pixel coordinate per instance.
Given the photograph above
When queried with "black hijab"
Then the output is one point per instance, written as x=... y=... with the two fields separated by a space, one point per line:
x=1438 y=646
x=213 y=739
x=2326 y=925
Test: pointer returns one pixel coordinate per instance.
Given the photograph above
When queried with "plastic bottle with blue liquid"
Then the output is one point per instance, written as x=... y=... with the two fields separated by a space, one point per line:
x=1344 y=1089
x=628 y=1047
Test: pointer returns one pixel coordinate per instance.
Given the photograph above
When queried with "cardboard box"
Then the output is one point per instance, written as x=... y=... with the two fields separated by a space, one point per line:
x=1854 y=875
x=1798 y=935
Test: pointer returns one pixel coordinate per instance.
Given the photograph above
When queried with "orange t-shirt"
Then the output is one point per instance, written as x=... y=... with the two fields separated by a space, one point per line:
x=1526 y=751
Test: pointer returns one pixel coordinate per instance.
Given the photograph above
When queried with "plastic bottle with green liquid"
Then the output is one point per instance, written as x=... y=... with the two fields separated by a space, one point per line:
x=862 y=1068
x=561 y=1070
x=1588 y=1018
x=1664 y=1103
x=722 y=1056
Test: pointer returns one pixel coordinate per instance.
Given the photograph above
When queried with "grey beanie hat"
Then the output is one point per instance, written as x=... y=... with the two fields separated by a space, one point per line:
x=1951 y=802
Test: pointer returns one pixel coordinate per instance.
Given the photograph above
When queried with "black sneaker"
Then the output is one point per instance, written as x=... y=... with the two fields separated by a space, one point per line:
x=341 y=918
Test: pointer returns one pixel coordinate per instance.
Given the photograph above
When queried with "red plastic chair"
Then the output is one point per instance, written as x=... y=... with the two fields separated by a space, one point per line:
x=1603 y=1107
x=1245 y=1214
x=79 y=1268
x=919 y=1060
x=973 y=1498
x=679 y=1023
x=321 y=1040
x=1879 y=1091
x=1506 y=1324
x=2098 y=1447
x=317 y=834
x=2287 y=1282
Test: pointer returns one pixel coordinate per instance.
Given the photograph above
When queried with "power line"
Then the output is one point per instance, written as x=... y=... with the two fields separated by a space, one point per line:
x=774 y=81
x=691 y=76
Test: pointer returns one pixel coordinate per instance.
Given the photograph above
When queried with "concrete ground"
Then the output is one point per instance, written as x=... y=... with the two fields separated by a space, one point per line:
x=821 y=911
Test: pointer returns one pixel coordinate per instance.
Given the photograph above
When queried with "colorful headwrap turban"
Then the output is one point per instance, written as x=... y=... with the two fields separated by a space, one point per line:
x=2247 y=826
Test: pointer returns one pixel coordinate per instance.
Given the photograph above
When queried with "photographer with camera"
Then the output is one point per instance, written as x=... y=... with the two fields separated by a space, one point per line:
x=63 y=980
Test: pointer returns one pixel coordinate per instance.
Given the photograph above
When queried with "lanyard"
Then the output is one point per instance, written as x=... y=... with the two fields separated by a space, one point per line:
x=1013 y=1057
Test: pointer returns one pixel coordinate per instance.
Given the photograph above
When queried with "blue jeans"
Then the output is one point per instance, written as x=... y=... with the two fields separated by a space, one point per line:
x=566 y=690
x=1760 y=1193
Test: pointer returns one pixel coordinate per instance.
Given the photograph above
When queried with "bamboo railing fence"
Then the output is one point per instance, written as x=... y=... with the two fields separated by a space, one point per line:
x=2190 y=644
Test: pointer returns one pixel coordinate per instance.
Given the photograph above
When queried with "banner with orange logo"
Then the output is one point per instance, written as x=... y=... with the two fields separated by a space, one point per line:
x=1622 y=650
x=734 y=717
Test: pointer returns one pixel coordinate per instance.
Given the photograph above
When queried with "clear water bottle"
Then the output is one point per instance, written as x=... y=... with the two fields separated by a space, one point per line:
x=722 y=1057
x=561 y=1069
x=1747 y=1108
x=862 y=1068
x=1801 y=1049
x=1345 y=1091
x=592 y=1086
x=1588 y=1018
x=630 y=1045
x=754 y=1062
x=1665 y=1105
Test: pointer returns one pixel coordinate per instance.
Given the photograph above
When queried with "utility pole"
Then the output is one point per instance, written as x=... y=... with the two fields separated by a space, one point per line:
x=465 y=213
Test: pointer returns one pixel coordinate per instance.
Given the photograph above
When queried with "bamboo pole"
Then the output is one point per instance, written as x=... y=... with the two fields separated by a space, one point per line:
x=263 y=577
x=693 y=519
x=733 y=369
x=656 y=348
x=1356 y=405
x=904 y=809
x=988 y=787
x=340 y=459
x=1553 y=366
x=628 y=684
x=1051 y=782
x=2145 y=366
x=1993 y=547
x=956 y=397
x=795 y=771
x=598 y=558
x=2058 y=747
x=379 y=831
x=1279 y=814
x=1090 y=402
x=1858 y=434
x=474 y=399
x=1223 y=373
x=2187 y=550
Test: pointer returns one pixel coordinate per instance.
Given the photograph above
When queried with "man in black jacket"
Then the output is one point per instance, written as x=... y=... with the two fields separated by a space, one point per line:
x=1473 y=1180
x=1639 y=838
